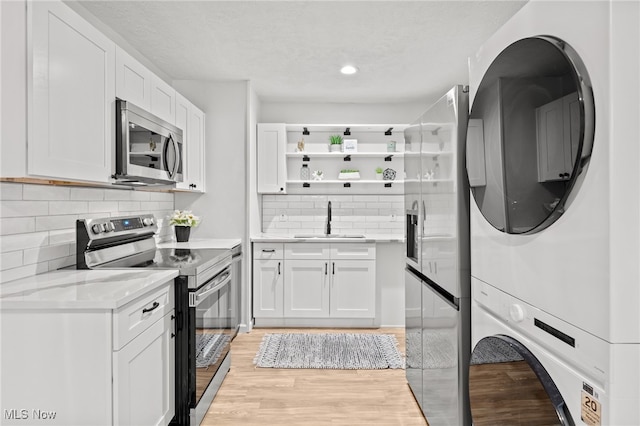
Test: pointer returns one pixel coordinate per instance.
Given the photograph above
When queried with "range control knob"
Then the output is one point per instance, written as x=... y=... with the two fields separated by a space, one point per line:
x=516 y=313
x=97 y=228
x=147 y=221
x=109 y=227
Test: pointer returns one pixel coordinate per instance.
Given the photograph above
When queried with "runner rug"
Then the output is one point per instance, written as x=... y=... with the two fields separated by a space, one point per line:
x=340 y=351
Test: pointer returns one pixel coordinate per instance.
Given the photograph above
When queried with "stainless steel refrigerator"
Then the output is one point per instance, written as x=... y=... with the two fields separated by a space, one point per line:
x=437 y=274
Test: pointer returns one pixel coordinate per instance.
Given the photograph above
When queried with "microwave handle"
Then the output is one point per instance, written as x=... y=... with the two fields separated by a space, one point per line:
x=176 y=166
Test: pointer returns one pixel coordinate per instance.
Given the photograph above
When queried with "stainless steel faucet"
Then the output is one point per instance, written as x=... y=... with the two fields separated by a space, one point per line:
x=328 y=229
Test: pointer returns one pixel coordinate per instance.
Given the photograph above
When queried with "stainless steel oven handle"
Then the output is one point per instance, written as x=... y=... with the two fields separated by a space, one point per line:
x=213 y=288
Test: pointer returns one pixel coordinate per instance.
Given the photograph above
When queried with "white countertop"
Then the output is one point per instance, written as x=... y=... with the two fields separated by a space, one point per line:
x=369 y=238
x=203 y=243
x=81 y=289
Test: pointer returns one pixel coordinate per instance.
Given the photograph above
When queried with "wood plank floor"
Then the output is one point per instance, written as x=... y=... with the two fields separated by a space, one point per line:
x=267 y=396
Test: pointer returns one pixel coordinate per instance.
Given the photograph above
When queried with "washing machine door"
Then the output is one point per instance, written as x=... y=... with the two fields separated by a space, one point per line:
x=509 y=386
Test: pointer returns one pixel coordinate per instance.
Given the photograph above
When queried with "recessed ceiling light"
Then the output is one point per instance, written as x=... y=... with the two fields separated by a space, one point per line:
x=348 y=69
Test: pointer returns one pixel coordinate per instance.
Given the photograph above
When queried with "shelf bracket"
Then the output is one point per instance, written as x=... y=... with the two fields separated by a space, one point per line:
x=306 y=185
x=388 y=158
x=387 y=185
x=347 y=158
x=388 y=132
x=347 y=185
x=305 y=131
x=306 y=158
x=347 y=132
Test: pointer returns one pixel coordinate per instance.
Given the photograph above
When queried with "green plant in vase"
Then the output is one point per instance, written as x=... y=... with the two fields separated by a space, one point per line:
x=335 y=143
x=379 y=173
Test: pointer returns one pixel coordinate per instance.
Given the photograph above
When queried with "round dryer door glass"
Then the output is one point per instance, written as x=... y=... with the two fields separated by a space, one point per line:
x=509 y=386
x=530 y=134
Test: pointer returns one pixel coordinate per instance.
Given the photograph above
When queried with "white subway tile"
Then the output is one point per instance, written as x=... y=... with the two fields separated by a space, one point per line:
x=68 y=207
x=17 y=225
x=46 y=192
x=10 y=191
x=62 y=236
x=161 y=196
x=314 y=198
x=102 y=206
x=49 y=223
x=23 y=272
x=271 y=212
x=365 y=198
x=300 y=205
x=87 y=194
x=12 y=259
x=128 y=206
x=42 y=254
x=117 y=195
x=140 y=196
x=24 y=208
x=23 y=241
x=365 y=212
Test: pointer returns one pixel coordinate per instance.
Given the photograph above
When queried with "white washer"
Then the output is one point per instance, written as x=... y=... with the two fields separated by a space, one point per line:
x=583 y=269
x=583 y=368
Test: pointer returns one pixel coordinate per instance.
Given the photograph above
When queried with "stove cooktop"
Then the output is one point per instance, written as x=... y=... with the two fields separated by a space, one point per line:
x=188 y=261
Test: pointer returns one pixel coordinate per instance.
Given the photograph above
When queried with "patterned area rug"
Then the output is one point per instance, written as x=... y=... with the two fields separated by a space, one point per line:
x=340 y=351
x=208 y=348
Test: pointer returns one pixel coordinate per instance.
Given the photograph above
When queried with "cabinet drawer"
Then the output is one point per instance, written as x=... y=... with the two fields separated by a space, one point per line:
x=266 y=251
x=135 y=317
x=353 y=251
x=307 y=251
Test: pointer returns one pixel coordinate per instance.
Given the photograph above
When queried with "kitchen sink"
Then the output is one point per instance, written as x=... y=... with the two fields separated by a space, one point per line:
x=330 y=236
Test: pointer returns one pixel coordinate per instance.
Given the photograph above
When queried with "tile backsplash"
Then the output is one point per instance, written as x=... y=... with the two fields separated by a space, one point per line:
x=37 y=222
x=362 y=214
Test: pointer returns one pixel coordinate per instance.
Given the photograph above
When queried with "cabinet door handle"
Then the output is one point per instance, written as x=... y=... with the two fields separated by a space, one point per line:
x=325 y=268
x=279 y=268
x=333 y=268
x=435 y=265
x=268 y=250
x=154 y=306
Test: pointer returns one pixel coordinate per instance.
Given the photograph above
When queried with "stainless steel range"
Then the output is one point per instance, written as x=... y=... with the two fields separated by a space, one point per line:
x=207 y=315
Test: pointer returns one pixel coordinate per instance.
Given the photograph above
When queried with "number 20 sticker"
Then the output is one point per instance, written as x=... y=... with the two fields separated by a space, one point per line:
x=590 y=410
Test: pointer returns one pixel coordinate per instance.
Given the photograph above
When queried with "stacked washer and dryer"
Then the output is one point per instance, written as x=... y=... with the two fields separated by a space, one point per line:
x=553 y=158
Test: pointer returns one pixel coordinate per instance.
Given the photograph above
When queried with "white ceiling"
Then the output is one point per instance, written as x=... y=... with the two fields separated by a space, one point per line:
x=292 y=50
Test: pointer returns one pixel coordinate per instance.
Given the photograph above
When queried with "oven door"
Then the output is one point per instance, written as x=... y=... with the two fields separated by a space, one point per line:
x=210 y=332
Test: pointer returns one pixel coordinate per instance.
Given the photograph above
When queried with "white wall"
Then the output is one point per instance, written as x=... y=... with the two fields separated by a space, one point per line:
x=223 y=206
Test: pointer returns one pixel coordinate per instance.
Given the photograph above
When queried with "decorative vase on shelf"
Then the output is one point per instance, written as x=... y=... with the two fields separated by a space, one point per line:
x=335 y=147
x=182 y=233
x=305 y=173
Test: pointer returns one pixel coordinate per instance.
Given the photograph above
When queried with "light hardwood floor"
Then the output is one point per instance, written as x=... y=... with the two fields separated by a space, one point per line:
x=268 y=396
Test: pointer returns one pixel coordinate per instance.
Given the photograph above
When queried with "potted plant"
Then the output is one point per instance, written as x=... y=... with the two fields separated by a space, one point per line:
x=183 y=220
x=335 y=143
x=379 y=173
x=349 y=174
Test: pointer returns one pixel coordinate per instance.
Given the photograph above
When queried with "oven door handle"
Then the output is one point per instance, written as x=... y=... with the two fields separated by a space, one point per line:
x=213 y=287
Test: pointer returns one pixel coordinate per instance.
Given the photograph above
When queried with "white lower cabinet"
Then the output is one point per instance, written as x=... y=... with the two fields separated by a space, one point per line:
x=313 y=281
x=306 y=289
x=143 y=377
x=90 y=366
x=352 y=292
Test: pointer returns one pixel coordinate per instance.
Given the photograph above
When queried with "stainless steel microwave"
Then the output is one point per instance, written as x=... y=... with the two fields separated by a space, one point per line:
x=149 y=151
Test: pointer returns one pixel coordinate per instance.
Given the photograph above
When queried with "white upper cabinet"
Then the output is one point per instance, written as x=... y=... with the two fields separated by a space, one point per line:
x=272 y=145
x=163 y=99
x=191 y=120
x=133 y=80
x=72 y=95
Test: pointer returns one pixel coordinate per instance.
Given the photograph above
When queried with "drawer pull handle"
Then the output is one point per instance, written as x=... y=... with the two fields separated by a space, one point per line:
x=154 y=306
x=268 y=251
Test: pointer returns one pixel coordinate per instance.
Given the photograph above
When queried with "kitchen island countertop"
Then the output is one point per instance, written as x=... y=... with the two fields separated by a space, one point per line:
x=81 y=289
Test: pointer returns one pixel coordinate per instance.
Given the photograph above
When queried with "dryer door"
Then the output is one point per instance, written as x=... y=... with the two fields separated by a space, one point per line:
x=530 y=136
x=509 y=386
